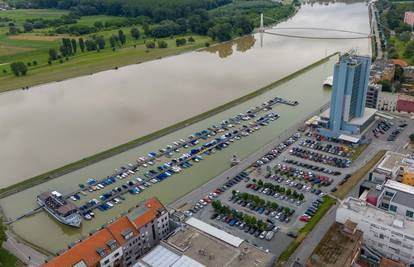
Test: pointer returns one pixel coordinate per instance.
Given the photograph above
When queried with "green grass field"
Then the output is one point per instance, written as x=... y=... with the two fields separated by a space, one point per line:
x=34 y=46
x=89 y=62
x=8 y=260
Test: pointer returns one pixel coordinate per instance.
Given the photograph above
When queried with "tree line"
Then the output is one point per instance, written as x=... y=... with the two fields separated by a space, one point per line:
x=157 y=10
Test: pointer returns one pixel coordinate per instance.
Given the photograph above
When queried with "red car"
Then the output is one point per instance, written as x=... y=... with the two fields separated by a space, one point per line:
x=304 y=218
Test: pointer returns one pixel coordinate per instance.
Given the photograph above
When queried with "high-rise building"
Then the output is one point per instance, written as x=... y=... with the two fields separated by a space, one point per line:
x=347 y=113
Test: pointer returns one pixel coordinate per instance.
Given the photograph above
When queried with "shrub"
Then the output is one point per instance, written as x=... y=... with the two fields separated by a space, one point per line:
x=150 y=44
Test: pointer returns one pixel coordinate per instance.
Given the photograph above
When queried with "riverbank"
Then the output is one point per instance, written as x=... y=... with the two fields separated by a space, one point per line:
x=147 y=138
x=92 y=63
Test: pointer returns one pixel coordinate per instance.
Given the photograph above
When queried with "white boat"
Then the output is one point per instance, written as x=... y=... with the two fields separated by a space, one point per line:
x=328 y=82
x=62 y=210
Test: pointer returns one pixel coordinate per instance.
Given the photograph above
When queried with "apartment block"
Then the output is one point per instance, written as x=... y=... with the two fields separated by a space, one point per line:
x=121 y=242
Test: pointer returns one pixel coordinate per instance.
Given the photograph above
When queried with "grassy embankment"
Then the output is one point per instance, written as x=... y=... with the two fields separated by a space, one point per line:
x=356 y=177
x=134 y=143
x=305 y=230
x=6 y=258
x=358 y=151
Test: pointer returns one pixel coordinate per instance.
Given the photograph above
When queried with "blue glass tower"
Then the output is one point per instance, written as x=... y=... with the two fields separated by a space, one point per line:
x=350 y=84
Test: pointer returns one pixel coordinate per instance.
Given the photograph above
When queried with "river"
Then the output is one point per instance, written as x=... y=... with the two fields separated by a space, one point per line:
x=57 y=123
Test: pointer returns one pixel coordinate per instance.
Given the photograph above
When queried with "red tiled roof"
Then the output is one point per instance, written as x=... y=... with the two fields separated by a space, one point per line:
x=83 y=251
x=153 y=204
x=116 y=228
x=86 y=249
x=400 y=62
x=390 y=263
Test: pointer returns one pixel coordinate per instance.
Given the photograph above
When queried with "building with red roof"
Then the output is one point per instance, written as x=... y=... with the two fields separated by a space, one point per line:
x=121 y=242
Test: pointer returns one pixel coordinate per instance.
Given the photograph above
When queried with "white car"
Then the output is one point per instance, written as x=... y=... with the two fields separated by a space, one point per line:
x=263 y=234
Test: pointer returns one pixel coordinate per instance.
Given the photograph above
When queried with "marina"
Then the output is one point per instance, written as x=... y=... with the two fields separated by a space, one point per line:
x=229 y=134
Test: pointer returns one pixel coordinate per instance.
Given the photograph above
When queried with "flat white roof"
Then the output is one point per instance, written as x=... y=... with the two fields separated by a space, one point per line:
x=368 y=113
x=349 y=138
x=185 y=261
x=215 y=232
x=162 y=256
x=400 y=187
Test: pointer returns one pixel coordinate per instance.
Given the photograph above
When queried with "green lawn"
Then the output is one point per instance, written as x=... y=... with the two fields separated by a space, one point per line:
x=90 y=62
x=8 y=260
x=358 y=151
x=20 y=15
x=306 y=229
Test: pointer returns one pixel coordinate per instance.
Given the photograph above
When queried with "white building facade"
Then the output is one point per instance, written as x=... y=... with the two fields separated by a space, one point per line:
x=389 y=234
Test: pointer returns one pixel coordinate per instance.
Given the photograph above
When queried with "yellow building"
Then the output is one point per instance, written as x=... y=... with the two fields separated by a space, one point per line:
x=408 y=178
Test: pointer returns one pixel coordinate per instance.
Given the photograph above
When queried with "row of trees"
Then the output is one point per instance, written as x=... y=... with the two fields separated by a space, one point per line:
x=157 y=10
x=247 y=219
x=280 y=189
x=270 y=205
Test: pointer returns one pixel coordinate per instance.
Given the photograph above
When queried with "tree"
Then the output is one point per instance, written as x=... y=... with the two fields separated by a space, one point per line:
x=288 y=192
x=180 y=41
x=191 y=39
x=260 y=182
x=113 y=41
x=28 y=27
x=221 y=32
x=386 y=86
x=100 y=40
x=13 y=30
x=409 y=49
x=150 y=44
x=52 y=54
x=90 y=45
x=135 y=33
x=121 y=37
x=18 y=68
x=98 y=24
x=162 y=44
x=301 y=197
x=146 y=28
x=274 y=205
x=81 y=44
x=74 y=46
x=412 y=138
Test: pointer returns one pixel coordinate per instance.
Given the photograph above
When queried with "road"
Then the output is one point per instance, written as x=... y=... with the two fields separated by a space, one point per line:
x=374 y=25
x=307 y=246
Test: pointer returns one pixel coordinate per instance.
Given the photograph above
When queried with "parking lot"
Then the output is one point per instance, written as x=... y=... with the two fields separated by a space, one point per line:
x=282 y=189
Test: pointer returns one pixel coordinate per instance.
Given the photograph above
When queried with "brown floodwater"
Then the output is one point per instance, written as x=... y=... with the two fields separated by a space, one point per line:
x=57 y=123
